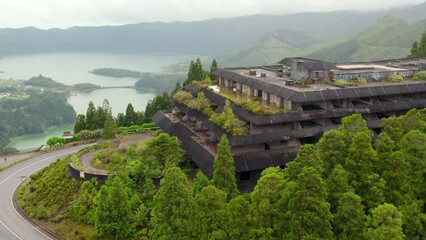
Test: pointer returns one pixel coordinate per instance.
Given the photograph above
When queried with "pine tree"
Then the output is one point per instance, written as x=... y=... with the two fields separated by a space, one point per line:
x=224 y=169
x=349 y=219
x=90 y=117
x=237 y=225
x=130 y=117
x=208 y=214
x=80 y=123
x=337 y=185
x=195 y=72
x=418 y=49
x=172 y=202
x=200 y=182
x=212 y=69
x=265 y=211
x=113 y=213
x=308 y=210
x=360 y=165
x=110 y=127
x=384 y=147
x=332 y=150
x=385 y=223
x=306 y=157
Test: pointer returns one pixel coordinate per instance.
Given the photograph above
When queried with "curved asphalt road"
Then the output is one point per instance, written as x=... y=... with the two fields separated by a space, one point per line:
x=12 y=225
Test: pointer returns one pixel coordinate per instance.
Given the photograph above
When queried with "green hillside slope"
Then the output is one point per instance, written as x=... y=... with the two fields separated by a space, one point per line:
x=387 y=38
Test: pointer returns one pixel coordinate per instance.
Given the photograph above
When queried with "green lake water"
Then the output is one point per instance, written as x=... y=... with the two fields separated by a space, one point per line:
x=71 y=68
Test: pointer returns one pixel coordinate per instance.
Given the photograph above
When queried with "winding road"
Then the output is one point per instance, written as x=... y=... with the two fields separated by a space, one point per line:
x=12 y=224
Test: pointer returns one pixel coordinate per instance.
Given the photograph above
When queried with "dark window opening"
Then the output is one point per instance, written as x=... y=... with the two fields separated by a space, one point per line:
x=358 y=103
x=308 y=140
x=267 y=147
x=309 y=124
x=377 y=131
x=310 y=107
x=244 y=176
x=336 y=120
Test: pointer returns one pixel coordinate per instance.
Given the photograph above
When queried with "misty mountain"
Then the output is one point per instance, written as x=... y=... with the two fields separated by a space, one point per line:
x=294 y=34
x=385 y=39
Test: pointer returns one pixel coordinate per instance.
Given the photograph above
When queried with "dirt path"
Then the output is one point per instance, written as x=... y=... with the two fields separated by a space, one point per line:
x=86 y=162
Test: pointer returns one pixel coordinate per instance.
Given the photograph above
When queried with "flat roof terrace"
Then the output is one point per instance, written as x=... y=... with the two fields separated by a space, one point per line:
x=268 y=75
x=266 y=79
x=271 y=77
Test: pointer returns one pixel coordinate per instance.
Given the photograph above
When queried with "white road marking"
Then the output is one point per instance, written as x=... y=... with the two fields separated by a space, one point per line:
x=13 y=174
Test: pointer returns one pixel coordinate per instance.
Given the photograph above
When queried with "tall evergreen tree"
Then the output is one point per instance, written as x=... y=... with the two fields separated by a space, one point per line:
x=100 y=117
x=337 y=185
x=265 y=210
x=160 y=102
x=200 y=182
x=308 y=210
x=332 y=150
x=131 y=116
x=172 y=202
x=90 y=117
x=237 y=224
x=418 y=49
x=384 y=147
x=224 y=169
x=113 y=213
x=110 y=127
x=385 y=223
x=80 y=123
x=208 y=214
x=212 y=69
x=359 y=164
x=349 y=219
x=306 y=157
x=195 y=72
x=352 y=125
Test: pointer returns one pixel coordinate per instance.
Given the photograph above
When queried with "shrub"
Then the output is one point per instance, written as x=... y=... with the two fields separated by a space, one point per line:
x=340 y=82
x=395 y=78
x=420 y=75
x=182 y=96
x=87 y=134
x=360 y=81
x=148 y=125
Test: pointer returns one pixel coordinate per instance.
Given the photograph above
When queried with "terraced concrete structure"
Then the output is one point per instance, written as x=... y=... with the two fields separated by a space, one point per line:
x=305 y=108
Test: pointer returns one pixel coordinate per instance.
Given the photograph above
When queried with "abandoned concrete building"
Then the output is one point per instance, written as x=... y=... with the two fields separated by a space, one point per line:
x=297 y=101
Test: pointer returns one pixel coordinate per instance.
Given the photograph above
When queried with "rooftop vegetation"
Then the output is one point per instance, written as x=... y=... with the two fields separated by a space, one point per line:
x=226 y=119
x=420 y=75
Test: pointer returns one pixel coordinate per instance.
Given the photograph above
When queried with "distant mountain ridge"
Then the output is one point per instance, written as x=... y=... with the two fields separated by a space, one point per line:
x=256 y=39
x=385 y=39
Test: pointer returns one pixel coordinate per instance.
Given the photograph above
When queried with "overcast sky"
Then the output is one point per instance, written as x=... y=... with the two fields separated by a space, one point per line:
x=67 y=13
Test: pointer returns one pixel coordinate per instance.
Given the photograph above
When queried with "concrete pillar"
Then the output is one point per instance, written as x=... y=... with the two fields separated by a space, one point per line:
x=251 y=92
x=239 y=87
x=266 y=97
x=228 y=83
x=280 y=102
x=220 y=80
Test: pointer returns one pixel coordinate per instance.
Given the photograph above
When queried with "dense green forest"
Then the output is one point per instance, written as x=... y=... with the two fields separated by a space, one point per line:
x=33 y=115
x=159 y=82
x=344 y=187
x=116 y=72
x=42 y=81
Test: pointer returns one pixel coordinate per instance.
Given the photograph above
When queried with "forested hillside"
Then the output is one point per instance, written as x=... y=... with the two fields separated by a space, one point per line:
x=344 y=187
x=33 y=115
x=388 y=38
